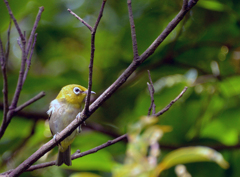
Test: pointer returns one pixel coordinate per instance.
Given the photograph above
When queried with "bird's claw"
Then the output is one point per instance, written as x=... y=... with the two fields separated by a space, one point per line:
x=79 y=127
x=55 y=139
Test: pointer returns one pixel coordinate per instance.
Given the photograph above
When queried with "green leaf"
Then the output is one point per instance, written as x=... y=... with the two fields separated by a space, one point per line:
x=191 y=154
x=84 y=174
x=212 y=5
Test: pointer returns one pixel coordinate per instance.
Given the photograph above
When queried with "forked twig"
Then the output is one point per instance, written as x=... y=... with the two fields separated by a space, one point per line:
x=14 y=20
x=30 y=58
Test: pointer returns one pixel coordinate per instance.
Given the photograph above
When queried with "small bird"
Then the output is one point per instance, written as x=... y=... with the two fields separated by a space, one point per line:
x=62 y=111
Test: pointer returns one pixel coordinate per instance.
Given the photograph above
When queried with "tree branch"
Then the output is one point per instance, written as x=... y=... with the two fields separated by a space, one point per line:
x=32 y=100
x=20 y=78
x=8 y=40
x=30 y=58
x=80 y=19
x=41 y=9
x=3 y=60
x=185 y=4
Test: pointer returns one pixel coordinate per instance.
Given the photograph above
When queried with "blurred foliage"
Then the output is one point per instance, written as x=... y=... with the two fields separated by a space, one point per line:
x=143 y=151
x=203 y=53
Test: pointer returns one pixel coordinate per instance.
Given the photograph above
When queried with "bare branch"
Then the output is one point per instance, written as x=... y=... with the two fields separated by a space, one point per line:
x=171 y=103
x=108 y=143
x=8 y=40
x=41 y=9
x=87 y=102
x=133 y=32
x=34 y=99
x=15 y=21
x=3 y=60
x=151 y=92
x=30 y=59
x=81 y=20
x=2 y=54
x=20 y=77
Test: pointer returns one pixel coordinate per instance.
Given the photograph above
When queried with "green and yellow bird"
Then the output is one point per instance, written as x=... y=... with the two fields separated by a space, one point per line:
x=62 y=111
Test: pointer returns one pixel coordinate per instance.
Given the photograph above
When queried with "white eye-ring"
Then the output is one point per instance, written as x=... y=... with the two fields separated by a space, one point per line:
x=77 y=90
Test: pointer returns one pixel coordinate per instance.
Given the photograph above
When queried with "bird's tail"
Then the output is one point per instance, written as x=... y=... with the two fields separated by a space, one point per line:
x=64 y=157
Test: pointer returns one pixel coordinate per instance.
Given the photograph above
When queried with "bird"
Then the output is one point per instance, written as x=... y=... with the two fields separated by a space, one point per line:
x=62 y=111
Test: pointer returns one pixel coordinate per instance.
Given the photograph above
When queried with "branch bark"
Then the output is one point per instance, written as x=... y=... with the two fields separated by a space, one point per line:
x=133 y=32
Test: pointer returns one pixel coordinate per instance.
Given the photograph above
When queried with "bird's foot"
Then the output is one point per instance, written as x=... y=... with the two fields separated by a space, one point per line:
x=55 y=139
x=79 y=130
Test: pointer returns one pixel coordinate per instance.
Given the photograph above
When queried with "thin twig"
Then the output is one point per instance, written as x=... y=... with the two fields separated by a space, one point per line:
x=15 y=21
x=41 y=9
x=32 y=100
x=151 y=92
x=8 y=41
x=2 y=54
x=5 y=83
x=80 y=19
x=20 y=77
x=87 y=102
x=133 y=32
x=30 y=58
x=171 y=103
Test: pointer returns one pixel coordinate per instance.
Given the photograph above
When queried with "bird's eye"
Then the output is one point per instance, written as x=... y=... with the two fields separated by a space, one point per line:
x=76 y=90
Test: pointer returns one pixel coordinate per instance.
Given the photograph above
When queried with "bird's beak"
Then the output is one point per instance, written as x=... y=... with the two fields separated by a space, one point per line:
x=92 y=92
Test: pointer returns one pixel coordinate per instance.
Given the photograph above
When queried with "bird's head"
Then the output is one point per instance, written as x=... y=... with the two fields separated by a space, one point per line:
x=73 y=94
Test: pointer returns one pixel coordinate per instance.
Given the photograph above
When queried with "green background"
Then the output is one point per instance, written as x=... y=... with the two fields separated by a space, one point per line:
x=205 y=42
